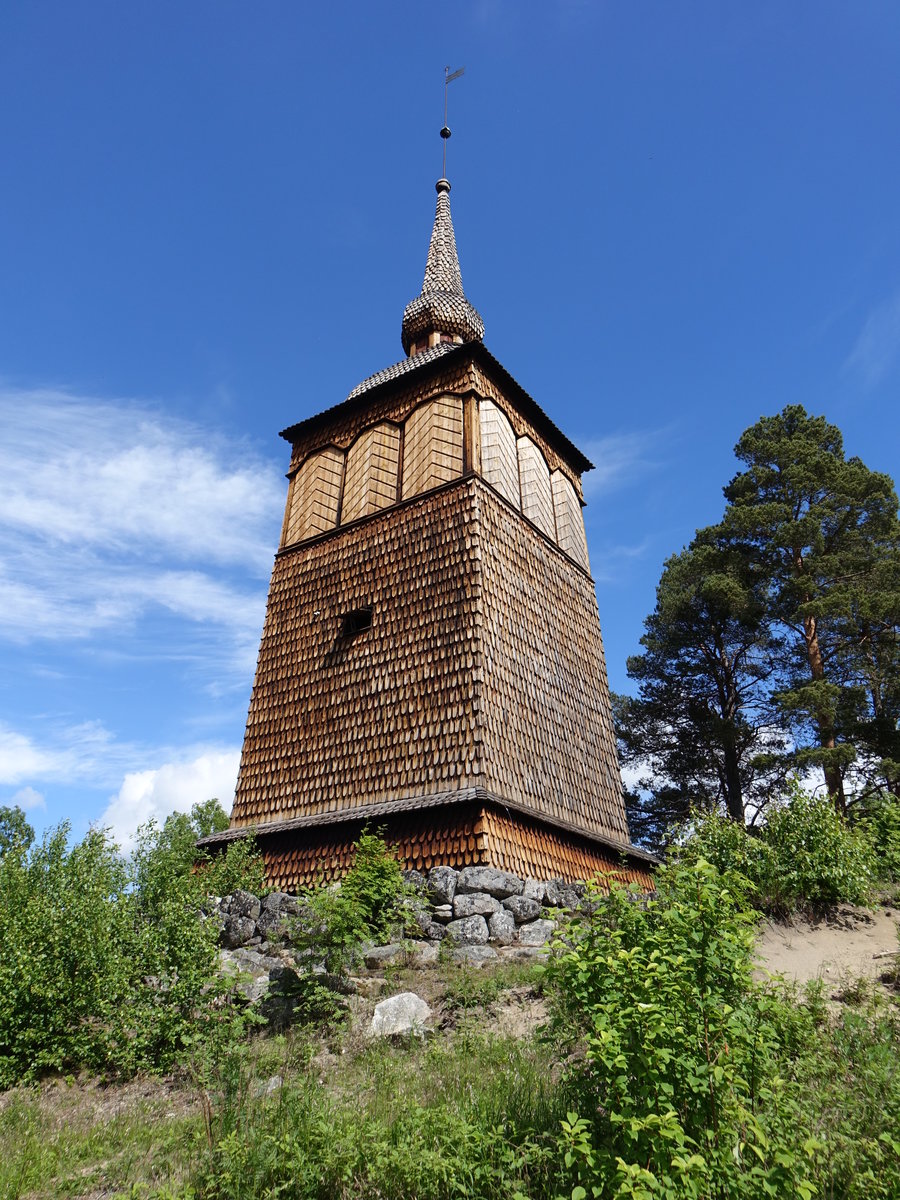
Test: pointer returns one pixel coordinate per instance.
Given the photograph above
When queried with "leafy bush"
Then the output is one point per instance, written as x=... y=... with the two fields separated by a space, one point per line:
x=680 y=1049
x=170 y=850
x=697 y=1082
x=367 y=905
x=878 y=819
x=804 y=855
x=105 y=962
x=817 y=858
x=374 y=886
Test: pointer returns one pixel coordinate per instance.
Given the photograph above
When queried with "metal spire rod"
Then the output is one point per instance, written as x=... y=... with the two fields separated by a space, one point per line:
x=445 y=132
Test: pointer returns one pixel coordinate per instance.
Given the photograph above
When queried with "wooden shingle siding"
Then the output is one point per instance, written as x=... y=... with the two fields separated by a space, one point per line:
x=534 y=483
x=548 y=734
x=373 y=464
x=483 y=666
x=335 y=721
x=570 y=532
x=463 y=835
x=432 y=445
x=451 y=838
x=499 y=459
x=533 y=850
x=314 y=496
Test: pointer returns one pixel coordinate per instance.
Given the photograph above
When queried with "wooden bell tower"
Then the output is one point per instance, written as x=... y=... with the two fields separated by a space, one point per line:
x=431 y=660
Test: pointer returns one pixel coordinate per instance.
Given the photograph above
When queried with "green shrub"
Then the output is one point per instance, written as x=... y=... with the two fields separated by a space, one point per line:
x=803 y=855
x=818 y=859
x=367 y=905
x=65 y=932
x=331 y=930
x=878 y=819
x=374 y=886
x=743 y=857
x=105 y=962
x=680 y=1092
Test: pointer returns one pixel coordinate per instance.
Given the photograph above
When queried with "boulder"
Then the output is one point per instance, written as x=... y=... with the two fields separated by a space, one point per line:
x=402 y=1014
x=534 y=889
x=471 y=904
x=236 y=931
x=273 y=924
x=249 y=971
x=562 y=895
x=441 y=884
x=242 y=904
x=468 y=931
x=474 y=956
x=522 y=909
x=536 y=933
x=435 y=932
x=443 y=913
x=413 y=879
x=502 y=927
x=384 y=956
x=488 y=879
x=522 y=953
x=281 y=902
x=424 y=954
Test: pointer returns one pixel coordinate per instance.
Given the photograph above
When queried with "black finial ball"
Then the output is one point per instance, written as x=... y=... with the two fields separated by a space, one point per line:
x=445 y=132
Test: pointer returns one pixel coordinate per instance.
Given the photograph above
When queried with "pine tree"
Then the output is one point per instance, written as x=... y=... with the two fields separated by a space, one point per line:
x=701 y=726
x=823 y=530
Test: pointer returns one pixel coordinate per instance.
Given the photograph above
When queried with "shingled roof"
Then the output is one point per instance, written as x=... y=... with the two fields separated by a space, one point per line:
x=441 y=306
x=428 y=361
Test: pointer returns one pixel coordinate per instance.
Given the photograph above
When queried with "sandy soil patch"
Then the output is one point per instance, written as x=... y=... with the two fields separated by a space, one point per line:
x=853 y=943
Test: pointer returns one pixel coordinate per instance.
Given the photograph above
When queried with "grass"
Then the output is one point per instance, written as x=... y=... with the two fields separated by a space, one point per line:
x=80 y=1140
x=346 y=1105
x=468 y=1113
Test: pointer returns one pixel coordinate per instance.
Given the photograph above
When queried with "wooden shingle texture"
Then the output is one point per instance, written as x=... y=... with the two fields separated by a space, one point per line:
x=461 y=835
x=431 y=657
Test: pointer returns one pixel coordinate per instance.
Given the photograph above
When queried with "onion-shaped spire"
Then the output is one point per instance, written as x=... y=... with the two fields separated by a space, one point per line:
x=441 y=308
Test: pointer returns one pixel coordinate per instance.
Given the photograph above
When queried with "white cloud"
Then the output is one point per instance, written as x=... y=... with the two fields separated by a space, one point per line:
x=619 y=461
x=609 y=562
x=91 y=473
x=173 y=787
x=21 y=759
x=877 y=348
x=75 y=753
x=110 y=513
x=27 y=798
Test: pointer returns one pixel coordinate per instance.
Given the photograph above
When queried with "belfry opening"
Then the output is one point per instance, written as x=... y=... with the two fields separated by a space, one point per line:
x=431 y=662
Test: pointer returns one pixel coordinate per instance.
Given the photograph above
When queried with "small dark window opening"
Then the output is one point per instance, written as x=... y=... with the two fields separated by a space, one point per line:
x=356 y=622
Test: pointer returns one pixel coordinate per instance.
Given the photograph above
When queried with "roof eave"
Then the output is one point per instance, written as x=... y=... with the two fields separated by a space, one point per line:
x=527 y=404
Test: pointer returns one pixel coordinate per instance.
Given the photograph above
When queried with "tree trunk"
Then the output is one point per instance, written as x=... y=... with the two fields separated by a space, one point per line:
x=734 y=797
x=833 y=779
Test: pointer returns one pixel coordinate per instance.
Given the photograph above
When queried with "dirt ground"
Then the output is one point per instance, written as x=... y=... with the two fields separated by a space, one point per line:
x=854 y=943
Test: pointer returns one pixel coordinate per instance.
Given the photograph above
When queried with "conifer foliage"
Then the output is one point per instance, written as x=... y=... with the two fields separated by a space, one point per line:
x=775 y=642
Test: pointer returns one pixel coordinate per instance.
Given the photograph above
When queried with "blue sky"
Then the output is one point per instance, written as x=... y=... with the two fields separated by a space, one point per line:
x=673 y=218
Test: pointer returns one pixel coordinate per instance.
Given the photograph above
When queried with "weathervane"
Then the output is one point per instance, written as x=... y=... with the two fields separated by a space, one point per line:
x=445 y=132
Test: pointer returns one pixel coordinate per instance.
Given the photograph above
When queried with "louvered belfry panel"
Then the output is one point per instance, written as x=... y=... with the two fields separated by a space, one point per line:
x=570 y=533
x=373 y=465
x=314 y=497
x=499 y=458
x=432 y=445
x=534 y=482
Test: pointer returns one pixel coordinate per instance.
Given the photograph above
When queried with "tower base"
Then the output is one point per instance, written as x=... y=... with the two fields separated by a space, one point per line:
x=468 y=828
